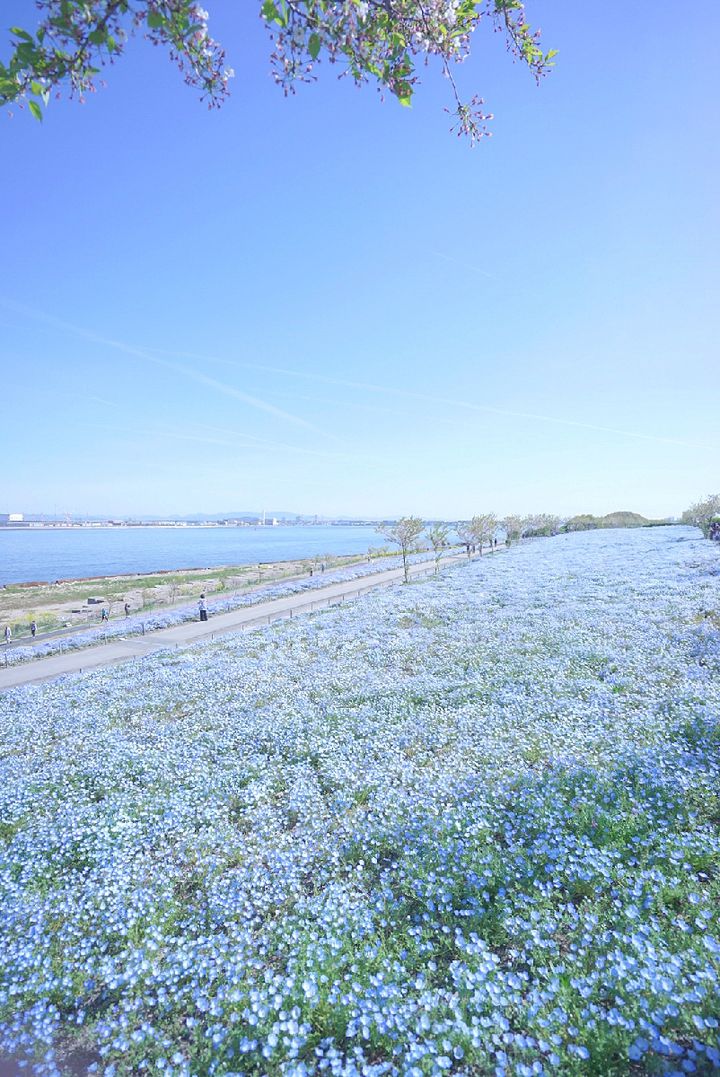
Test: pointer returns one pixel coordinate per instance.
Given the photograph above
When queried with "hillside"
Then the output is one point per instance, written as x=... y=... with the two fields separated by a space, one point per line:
x=587 y=522
x=465 y=826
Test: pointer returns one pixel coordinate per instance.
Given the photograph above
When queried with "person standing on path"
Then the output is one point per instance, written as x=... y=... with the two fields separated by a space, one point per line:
x=8 y=633
x=203 y=608
x=127 y=609
x=33 y=629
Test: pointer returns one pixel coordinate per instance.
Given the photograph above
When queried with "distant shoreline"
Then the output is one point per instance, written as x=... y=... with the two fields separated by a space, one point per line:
x=231 y=567
x=75 y=553
x=71 y=603
x=176 y=526
x=184 y=525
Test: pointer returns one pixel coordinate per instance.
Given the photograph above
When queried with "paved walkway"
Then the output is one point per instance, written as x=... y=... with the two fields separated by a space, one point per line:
x=262 y=613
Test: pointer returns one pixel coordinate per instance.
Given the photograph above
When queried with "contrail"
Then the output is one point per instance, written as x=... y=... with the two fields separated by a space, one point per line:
x=465 y=265
x=407 y=394
x=248 y=441
x=90 y=398
x=153 y=356
x=146 y=356
x=229 y=439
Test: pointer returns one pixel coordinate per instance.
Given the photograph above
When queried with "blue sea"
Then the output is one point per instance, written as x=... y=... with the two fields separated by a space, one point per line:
x=56 y=554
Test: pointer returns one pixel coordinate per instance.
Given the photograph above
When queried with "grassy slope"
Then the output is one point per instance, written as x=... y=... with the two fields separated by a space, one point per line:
x=470 y=826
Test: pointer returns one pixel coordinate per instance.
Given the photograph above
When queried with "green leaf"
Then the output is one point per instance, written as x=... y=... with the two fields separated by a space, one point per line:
x=403 y=92
x=36 y=88
x=36 y=110
x=21 y=33
x=314 y=44
x=154 y=20
x=269 y=11
x=8 y=90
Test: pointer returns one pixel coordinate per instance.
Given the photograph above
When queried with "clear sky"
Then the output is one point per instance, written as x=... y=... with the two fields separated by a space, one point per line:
x=329 y=304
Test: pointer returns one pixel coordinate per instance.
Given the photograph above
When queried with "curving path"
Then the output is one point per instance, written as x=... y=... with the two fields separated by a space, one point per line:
x=262 y=613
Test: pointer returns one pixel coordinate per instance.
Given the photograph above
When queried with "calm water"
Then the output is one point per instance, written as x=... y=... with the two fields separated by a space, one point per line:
x=68 y=554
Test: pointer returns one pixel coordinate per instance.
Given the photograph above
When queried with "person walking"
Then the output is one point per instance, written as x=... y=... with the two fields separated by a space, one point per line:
x=127 y=609
x=203 y=608
x=8 y=633
x=104 y=615
x=33 y=629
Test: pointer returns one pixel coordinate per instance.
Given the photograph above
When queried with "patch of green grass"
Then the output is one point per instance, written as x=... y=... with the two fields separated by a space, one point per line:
x=10 y=827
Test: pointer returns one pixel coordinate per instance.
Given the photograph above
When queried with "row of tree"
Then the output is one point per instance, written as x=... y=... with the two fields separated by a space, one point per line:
x=703 y=514
x=473 y=534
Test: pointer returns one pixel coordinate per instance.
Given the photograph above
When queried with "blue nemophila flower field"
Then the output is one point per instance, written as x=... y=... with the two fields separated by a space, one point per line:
x=469 y=826
x=139 y=623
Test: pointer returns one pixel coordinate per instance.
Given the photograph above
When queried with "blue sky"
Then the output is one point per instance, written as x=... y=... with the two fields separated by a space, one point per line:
x=329 y=304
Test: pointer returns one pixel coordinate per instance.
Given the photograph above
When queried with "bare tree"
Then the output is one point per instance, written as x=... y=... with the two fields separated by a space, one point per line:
x=490 y=526
x=484 y=528
x=404 y=534
x=513 y=528
x=703 y=513
x=466 y=535
x=437 y=536
x=541 y=524
x=473 y=533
